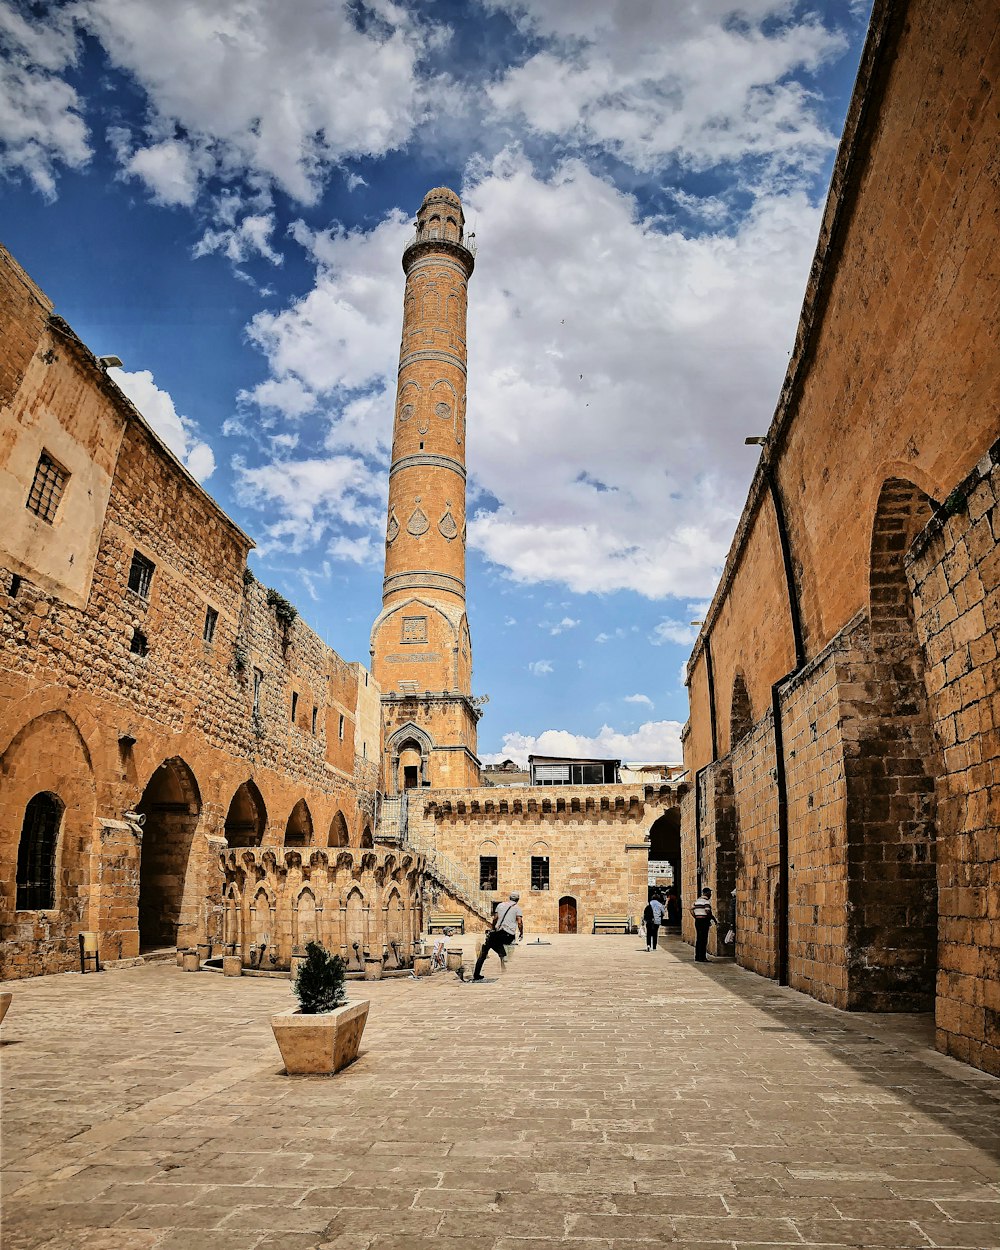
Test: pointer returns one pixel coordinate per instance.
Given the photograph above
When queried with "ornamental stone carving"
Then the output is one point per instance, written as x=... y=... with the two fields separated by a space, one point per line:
x=446 y=526
x=393 y=528
x=418 y=524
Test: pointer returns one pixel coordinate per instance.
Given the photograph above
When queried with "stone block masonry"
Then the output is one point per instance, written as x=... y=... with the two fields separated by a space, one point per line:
x=144 y=670
x=858 y=600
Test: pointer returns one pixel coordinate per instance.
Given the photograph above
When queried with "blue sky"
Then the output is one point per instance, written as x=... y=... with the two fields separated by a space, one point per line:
x=219 y=193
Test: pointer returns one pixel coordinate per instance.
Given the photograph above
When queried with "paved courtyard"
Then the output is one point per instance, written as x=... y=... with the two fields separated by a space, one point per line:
x=594 y=1097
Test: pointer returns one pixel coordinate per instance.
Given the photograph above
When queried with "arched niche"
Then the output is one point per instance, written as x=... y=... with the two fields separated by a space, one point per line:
x=246 y=820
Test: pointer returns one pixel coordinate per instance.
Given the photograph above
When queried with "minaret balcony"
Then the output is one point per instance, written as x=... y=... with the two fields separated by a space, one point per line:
x=427 y=239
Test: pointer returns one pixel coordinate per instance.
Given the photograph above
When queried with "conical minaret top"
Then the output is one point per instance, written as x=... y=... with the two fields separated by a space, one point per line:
x=421 y=651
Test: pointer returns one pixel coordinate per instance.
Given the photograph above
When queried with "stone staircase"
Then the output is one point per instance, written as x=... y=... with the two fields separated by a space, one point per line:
x=447 y=873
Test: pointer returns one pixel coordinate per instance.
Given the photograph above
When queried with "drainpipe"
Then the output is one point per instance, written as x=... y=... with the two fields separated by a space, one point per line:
x=780 y=780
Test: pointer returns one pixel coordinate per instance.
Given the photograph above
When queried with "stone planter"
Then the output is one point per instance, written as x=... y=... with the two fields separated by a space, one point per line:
x=181 y=952
x=320 y=1044
x=6 y=997
x=232 y=965
x=373 y=968
x=191 y=961
x=422 y=965
x=204 y=951
x=453 y=961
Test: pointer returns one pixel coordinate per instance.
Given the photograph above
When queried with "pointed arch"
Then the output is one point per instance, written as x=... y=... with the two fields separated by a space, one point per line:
x=299 y=828
x=246 y=819
x=36 y=852
x=339 y=834
x=171 y=803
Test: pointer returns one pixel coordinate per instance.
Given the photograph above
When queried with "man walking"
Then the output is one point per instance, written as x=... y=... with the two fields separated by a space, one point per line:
x=653 y=916
x=704 y=918
x=508 y=923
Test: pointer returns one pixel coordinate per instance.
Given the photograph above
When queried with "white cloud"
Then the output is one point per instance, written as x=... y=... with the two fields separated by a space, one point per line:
x=654 y=742
x=243 y=240
x=639 y=698
x=280 y=93
x=169 y=169
x=566 y=623
x=310 y=499
x=614 y=370
x=655 y=81
x=669 y=630
x=41 y=122
x=178 y=432
x=540 y=668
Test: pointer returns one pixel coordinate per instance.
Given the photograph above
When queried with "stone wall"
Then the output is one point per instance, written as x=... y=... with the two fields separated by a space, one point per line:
x=117 y=701
x=888 y=404
x=594 y=838
x=954 y=572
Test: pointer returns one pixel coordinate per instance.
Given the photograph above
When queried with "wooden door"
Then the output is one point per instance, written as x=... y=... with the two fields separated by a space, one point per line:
x=567 y=914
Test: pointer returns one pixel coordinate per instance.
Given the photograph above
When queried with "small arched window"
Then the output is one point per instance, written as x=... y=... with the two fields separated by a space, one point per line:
x=36 y=853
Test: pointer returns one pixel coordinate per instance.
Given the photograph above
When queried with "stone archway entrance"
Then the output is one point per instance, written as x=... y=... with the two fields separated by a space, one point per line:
x=665 y=844
x=567 y=914
x=171 y=804
x=246 y=819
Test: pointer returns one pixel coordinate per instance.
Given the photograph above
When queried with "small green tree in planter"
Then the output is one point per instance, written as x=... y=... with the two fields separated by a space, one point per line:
x=319 y=984
x=322 y=1034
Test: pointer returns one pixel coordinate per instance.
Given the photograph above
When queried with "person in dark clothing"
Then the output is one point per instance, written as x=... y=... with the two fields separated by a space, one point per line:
x=673 y=906
x=704 y=918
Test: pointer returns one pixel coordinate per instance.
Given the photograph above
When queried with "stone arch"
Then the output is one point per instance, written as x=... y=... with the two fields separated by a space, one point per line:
x=409 y=750
x=299 y=827
x=665 y=843
x=740 y=712
x=246 y=820
x=305 y=919
x=171 y=804
x=356 y=928
x=891 y=804
x=339 y=834
x=367 y=840
x=232 y=930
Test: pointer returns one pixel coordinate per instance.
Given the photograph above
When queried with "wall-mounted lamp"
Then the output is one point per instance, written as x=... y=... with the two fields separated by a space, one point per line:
x=697 y=622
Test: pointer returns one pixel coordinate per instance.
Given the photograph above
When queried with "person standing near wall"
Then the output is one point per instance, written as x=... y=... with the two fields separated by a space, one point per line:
x=653 y=917
x=704 y=918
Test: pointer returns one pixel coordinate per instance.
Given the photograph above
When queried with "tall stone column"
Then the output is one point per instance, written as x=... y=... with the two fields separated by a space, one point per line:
x=421 y=649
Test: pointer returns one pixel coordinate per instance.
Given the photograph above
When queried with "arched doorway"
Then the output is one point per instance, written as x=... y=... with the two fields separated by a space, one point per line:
x=411 y=766
x=366 y=837
x=567 y=914
x=171 y=804
x=891 y=804
x=665 y=847
x=246 y=819
x=299 y=830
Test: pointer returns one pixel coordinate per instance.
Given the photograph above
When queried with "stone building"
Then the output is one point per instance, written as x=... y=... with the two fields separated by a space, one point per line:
x=176 y=748
x=420 y=643
x=843 y=740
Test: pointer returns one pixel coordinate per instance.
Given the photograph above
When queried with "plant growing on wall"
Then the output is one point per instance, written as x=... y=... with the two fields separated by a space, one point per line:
x=319 y=983
x=283 y=610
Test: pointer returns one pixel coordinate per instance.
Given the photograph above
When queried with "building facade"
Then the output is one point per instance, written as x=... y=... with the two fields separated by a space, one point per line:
x=843 y=741
x=171 y=734
x=420 y=643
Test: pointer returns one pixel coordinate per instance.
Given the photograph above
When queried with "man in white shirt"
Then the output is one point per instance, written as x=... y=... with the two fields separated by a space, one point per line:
x=704 y=918
x=508 y=924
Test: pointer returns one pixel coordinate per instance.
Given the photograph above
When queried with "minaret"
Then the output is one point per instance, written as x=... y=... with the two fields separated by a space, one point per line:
x=421 y=651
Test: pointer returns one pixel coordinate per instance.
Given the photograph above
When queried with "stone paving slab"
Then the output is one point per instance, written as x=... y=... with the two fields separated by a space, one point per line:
x=588 y=1098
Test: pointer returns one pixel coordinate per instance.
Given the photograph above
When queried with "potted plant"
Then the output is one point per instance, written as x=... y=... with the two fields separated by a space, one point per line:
x=323 y=1033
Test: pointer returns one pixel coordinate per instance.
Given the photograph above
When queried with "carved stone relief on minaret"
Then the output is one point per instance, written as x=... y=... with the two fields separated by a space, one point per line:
x=418 y=524
x=446 y=526
x=392 y=529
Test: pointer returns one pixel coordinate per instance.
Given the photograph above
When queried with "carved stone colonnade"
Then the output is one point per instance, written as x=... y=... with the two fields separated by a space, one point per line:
x=355 y=902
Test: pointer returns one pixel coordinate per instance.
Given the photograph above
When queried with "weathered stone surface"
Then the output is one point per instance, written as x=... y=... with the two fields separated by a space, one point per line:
x=322 y=1043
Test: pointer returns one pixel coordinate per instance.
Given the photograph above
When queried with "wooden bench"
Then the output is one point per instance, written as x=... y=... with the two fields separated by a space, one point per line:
x=612 y=924
x=442 y=920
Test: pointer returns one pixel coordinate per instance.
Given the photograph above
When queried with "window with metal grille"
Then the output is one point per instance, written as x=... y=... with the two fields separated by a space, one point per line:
x=211 y=620
x=488 y=872
x=140 y=643
x=140 y=575
x=36 y=853
x=539 y=872
x=47 y=488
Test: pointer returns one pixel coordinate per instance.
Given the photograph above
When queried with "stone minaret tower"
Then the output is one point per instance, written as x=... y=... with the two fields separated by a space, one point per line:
x=421 y=651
